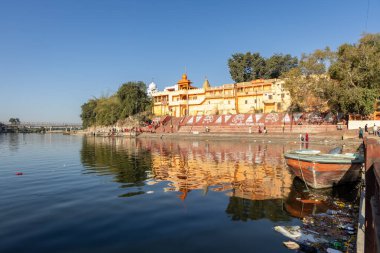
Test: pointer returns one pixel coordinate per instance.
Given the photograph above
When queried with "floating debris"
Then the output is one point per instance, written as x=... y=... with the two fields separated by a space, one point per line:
x=291 y=245
x=330 y=229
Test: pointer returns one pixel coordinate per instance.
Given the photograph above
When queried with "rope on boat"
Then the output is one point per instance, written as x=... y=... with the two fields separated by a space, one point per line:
x=303 y=178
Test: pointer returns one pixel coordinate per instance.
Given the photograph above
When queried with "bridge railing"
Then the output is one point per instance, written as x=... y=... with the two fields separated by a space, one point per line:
x=44 y=124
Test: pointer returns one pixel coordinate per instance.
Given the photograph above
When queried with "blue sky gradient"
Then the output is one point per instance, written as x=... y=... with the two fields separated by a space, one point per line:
x=55 y=55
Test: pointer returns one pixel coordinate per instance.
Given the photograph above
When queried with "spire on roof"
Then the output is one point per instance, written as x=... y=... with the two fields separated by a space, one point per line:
x=206 y=84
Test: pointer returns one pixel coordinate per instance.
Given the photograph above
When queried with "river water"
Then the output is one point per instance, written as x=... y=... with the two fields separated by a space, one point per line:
x=79 y=194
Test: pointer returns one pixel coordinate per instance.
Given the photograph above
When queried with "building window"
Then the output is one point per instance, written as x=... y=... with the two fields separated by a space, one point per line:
x=208 y=102
x=282 y=95
x=246 y=101
x=270 y=97
x=229 y=101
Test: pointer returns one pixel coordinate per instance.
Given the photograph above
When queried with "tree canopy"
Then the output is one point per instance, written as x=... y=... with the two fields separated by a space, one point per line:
x=357 y=71
x=308 y=83
x=14 y=121
x=251 y=66
x=347 y=80
x=130 y=99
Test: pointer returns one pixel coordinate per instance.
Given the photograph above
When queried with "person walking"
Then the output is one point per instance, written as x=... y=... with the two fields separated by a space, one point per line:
x=366 y=128
x=360 y=133
x=374 y=129
x=307 y=137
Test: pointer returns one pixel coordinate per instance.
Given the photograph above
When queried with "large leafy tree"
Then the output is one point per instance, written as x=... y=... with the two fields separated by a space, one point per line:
x=130 y=99
x=251 y=66
x=88 y=114
x=345 y=81
x=278 y=64
x=357 y=70
x=14 y=121
x=133 y=98
x=107 y=110
x=308 y=83
x=246 y=67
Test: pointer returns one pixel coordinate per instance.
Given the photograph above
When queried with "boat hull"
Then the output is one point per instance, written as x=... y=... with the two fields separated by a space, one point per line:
x=324 y=175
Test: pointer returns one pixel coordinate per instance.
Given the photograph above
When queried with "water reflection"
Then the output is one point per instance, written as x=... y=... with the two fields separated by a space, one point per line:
x=121 y=158
x=245 y=209
x=248 y=171
x=252 y=175
x=14 y=141
x=301 y=200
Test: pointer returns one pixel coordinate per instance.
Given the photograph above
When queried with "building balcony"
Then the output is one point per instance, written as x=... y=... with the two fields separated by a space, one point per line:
x=251 y=93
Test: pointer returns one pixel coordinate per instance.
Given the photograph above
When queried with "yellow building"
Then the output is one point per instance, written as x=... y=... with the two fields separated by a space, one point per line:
x=184 y=99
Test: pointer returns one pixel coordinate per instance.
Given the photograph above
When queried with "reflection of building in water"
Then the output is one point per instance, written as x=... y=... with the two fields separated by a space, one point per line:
x=245 y=170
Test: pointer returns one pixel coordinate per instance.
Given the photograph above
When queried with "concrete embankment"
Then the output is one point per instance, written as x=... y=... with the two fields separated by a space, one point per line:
x=336 y=138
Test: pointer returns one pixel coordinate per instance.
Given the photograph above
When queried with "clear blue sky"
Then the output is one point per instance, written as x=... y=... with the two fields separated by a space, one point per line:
x=55 y=55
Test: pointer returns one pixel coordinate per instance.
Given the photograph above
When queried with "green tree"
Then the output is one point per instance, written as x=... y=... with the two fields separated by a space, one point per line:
x=133 y=98
x=246 y=67
x=357 y=71
x=88 y=114
x=107 y=110
x=14 y=121
x=308 y=82
x=278 y=64
x=130 y=99
x=251 y=66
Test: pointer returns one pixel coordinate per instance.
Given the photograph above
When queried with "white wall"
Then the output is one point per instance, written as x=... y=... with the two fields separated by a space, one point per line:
x=355 y=124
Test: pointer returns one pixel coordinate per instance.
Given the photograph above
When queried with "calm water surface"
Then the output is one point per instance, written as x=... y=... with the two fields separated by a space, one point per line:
x=81 y=194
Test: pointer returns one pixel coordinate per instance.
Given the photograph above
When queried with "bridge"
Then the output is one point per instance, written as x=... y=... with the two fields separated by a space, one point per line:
x=49 y=126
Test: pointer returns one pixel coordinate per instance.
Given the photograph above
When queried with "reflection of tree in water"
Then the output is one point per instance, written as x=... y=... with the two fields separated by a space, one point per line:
x=245 y=209
x=128 y=165
x=14 y=141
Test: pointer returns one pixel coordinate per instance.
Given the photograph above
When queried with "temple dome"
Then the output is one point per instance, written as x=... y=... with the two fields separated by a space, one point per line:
x=152 y=86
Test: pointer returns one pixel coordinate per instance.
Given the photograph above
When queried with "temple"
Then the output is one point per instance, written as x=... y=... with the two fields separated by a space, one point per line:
x=256 y=96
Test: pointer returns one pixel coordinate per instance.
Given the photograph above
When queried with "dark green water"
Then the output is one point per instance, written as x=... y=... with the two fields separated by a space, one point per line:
x=93 y=195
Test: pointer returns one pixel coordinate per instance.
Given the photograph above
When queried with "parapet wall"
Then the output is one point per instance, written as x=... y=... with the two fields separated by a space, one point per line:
x=355 y=124
x=260 y=119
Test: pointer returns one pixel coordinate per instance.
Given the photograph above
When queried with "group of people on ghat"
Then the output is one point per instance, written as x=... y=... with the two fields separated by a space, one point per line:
x=264 y=130
x=304 y=138
x=375 y=131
